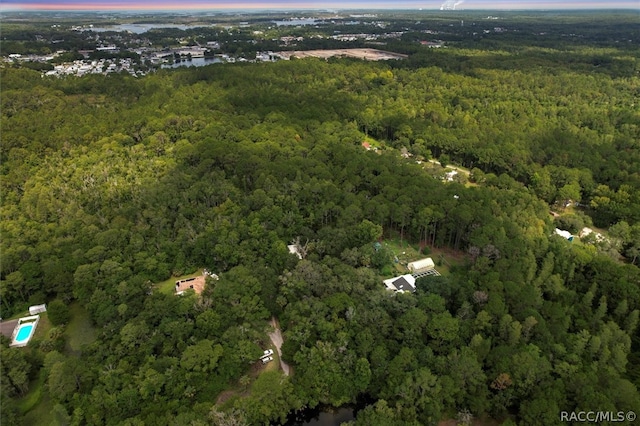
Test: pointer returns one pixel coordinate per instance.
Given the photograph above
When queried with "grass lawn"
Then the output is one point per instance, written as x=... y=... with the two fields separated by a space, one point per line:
x=406 y=252
x=42 y=413
x=44 y=325
x=36 y=404
x=403 y=252
x=79 y=331
x=445 y=258
x=169 y=286
x=239 y=390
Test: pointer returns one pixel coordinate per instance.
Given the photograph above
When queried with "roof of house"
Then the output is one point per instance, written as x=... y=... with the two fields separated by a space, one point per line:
x=401 y=283
x=7 y=327
x=196 y=283
x=36 y=309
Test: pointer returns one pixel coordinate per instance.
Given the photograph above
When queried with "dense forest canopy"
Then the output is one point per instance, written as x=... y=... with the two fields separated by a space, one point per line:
x=111 y=184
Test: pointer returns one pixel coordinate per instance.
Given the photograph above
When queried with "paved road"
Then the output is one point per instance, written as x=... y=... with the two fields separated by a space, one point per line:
x=7 y=327
x=276 y=338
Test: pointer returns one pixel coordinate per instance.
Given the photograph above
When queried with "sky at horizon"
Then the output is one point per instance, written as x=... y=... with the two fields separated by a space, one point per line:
x=151 y=5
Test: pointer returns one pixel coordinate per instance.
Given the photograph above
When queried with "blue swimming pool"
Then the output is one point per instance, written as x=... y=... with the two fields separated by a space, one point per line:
x=24 y=332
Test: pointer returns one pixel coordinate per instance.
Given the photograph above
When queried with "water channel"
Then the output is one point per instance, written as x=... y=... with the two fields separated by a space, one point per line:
x=326 y=417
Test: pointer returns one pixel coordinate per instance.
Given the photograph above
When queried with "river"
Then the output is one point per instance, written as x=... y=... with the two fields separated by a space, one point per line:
x=141 y=28
x=315 y=417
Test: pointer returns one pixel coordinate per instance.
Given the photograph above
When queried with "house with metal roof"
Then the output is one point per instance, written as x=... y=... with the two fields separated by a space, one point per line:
x=401 y=284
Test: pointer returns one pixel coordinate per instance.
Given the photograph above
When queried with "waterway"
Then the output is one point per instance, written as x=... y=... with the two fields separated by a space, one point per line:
x=195 y=62
x=141 y=28
x=321 y=418
x=295 y=22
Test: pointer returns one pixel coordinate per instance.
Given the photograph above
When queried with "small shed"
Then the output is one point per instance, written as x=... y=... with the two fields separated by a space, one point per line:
x=37 y=309
x=421 y=265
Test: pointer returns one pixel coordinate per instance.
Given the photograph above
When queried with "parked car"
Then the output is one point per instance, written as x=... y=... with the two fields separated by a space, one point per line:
x=266 y=359
x=268 y=352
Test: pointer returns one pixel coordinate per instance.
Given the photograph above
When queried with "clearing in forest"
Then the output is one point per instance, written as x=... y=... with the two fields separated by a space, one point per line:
x=365 y=54
x=169 y=286
x=79 y=331
x=403 y=252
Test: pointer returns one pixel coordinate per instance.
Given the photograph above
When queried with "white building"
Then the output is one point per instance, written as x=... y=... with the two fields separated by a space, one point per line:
x=421 y=265
x=36 y=309
x=564 y=234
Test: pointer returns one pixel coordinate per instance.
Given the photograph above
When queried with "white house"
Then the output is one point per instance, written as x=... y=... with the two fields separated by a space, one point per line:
x=421 y=265
x=401 y=284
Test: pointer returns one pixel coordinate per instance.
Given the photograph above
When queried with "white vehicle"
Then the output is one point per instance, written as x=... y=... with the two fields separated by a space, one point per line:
x=267 y=359
x=268 y=352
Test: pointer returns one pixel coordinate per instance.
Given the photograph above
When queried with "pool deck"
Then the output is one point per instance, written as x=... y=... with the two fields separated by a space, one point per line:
x=33 y=319
x=7 y=327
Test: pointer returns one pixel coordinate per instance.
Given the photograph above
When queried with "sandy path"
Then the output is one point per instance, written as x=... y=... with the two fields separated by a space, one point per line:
x=276 y=338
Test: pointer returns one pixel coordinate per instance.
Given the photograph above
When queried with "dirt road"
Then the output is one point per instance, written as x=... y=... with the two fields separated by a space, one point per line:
x=466 y=172
x=276 y=338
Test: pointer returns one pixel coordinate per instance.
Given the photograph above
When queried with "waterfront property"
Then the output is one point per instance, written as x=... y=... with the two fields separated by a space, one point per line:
x=24 y=330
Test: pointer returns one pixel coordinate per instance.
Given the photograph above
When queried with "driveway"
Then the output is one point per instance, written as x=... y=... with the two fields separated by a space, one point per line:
x=6 y=327
x=276 y=338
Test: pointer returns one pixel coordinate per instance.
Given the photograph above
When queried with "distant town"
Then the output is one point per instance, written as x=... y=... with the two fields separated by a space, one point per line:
x=85 y=45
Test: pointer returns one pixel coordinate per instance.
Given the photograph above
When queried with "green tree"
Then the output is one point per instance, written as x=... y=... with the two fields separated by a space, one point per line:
x=58 y=312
